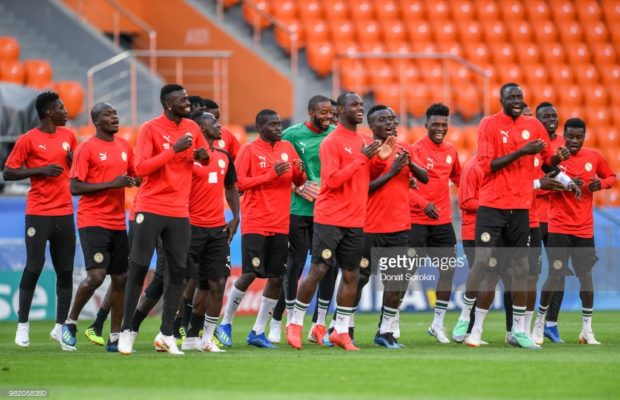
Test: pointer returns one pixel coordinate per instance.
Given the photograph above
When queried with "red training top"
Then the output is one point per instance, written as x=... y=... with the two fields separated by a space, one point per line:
x=48 y=195
x=542 y=196
x=471 y=179
x=98 y=161
x=229 y=143
x=266 y=199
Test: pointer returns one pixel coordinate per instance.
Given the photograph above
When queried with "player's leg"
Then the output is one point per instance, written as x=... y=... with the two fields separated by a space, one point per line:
x=154 y=290
x=196 y=268
x=535 y=262
x=442 y=242
x=118 y=274
x=583 y=255
x=325 y=293
x=62 y=252
x=469 y=247
x=484 y=299
x=185 y=307
x=95 y=331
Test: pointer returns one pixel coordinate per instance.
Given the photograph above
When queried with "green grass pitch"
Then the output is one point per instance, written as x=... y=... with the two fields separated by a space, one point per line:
x=424 y=369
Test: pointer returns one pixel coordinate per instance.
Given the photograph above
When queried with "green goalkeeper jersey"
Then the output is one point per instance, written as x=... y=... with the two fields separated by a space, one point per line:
x=306 y=144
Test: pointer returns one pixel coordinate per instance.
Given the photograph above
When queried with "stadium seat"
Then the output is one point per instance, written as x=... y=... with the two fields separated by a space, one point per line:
x=320 y=55
x=362 y=10
x=468 y=99
x=437 y=10
x=494 y=31
x=570 y=111
x=509 y=73
x=310 y=10
x=13 y=72
x=389 y=95
x=536 y=74
x=9 y=48
x=588 y=10
x=586 y=74
x=316 y=30
x=608 y=137
x=72 y=95
x=562 y=74
x=470 y=132
x=519 y=31
x=512 y=10
x=253 y=18
x=342 y=31
x=611 y=11
x=367 y=31
x=462 y=10
x=346 y=47
x=381 y=75
x=603 y=53
x=353 y=76
x=570 y=94
x=544 y=32
x=596 y=32
x=570 y=32
x=432 y=72
x=417 y=132
x=527 y=53
x=610 y=74
x=577 y=53
x=595 y=95
x=38 y=73
x=387 y=10
x=537 y=11
x=335 y=10
x=412 y=10
x=418 y=31
x=469 y=31
x=612 y=195
x=487 y=10
x=596 y=118
x=543 y=92
x=553 y=53
x=459 y=73
x=502 y=53
x=128 y=133
x=417 y=99
x=285 y=10
x=394 y=31
x=562 y=11
x=450 y=47
x=477 y=53
x=84 y=132
x=493 y=93
x=444 y=31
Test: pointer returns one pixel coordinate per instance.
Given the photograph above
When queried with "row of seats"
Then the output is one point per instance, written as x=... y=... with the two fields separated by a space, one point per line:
x=37 y=74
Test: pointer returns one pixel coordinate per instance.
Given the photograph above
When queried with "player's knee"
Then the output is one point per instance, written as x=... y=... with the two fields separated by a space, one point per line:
x=95 y=277
x=363 y=280
x=29 y=280
x=64 y=279
x=217 y=288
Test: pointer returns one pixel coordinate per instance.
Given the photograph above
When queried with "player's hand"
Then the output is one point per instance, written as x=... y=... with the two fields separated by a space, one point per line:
x=386 y=148
x=137 y=181
x=231 y=228
x=51 y=170
x=281 y=167
x=400 y=161
x=299 y=164
x=548 y=183
x=431 y=211
x=413 y=183
x=533 y=147
x=201 y=154
x=309 y=190
x=563 y=153
x=183 y=143
x=123 y=181
x=595 y=185
x=572 y=187
x=578 y=181
x=372 y=149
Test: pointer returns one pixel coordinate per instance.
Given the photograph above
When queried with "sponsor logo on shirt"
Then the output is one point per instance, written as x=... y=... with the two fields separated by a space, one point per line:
x=348 y=150
x=42 y=146
x=504 y=135
x=103 y=156
x=167 y=138
x=525 y=134
x=429 y=163
x=303 y=147
x=221 y=144
x=124 y=156
x=588 y=167
x=284 y=157
x=449 y=159
x=262 y=162
x=65 y=146
x=221 y=163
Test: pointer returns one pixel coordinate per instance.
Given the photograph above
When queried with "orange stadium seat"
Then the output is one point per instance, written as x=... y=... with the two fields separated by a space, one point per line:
x=588 y=10
x=381 y=74
x=553 y=53
x=519 y=31
x=394 y=31
x=38 y=73
x=487 y=10
x=417 y=99
x=253 y=18
x=577 y=53
x=462 y=10
x=536 y=74
x=494 y=31
x=459 y=73
x=409 y=71
x=437 y=10
x=469 y=31
x=316 y=30
x=596 y=32
x=342 y=31
x=450 y=47
x=512 y=10
x=432 y=72
x=387 y=10
x=585 y=74
x=12 y=71
x=562 y=74
x=544 y=32
x=471 y=134
x=368 y=31
x=417 y=132
x=388 y=95
x=285 y=10
x=562 y=11
x=595 y=95
x=320 y=55
x=284 y=38
x=537 y=10
x=611 y=11
x=477 y=53
x=509 y=73
x=129 y=133
x=495 y=105
x=310 y=10
x=597 y=117
x=84 y=132
x=72 y=96
x=527 y=53
x=362 y=10
x=570 y=94
x=346 y=47
x=543 y=92
x=608 y=137
x=336 y=10
x=570 y=32
x=412 y=10
x=418 y=31
x=468 y=99
x=444 y=31
x=353 y=76
x=610 y=74
x=603 y=53
x=9 y=48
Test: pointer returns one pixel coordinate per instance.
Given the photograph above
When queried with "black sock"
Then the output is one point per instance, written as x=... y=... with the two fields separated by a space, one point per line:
x=64 y=292
x=472 y=318
x=508 y=310
x=102 y=315
x=188 y=307
x=554 y=306
x=196 y=322
x=138 y=318
x=27 y=286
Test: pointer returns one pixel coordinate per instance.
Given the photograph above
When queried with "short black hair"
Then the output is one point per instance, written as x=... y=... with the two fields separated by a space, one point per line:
x=44 y=102
x=506 y=86
x=199 y=114
x=437 y=109
x=374 y=109
x=543 y=105
x=196 y=101
x=315 y=100
x=574 y=123
x=343 y=98
x=210 y=104
x=333 y=102
x=166 y=90
x=97 y=109
x=262 y=115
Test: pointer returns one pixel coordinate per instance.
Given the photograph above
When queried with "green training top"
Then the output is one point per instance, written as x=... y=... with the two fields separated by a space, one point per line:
x=306 y=144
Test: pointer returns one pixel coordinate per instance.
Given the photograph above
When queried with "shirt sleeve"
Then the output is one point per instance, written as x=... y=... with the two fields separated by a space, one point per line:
x=336 y=174
x=131 y=162
x=299 y=177
x=146 y=163
x=455 y=174
x=19 y=154
x=243 y=168
x=547 y=152
x=606 y=174
x=468 y=193
x=416 y=201
x=486 y=146
x=72 y=142
x=231 y=174
x=80 y=165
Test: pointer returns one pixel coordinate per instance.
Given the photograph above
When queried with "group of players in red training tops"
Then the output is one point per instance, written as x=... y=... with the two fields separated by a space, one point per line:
x=352 y=197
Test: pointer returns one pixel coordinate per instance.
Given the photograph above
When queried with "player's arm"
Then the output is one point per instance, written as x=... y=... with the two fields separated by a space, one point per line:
x=299 y=169
x=468 y=193
x=146 y=163
x=78 y=187
x=455 y=173
x=242 y=166
x=200 y=148
x=338 y=174
x=232 y=199
x=606 y=178
x=15 y=169
x=399 y=163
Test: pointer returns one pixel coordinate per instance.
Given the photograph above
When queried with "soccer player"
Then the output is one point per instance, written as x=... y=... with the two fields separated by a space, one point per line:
x=44 y=155
x=571 y=226
x=306 y=138
x=228 y=141
x=431 y=212
x=387 y=226
x=339 y=215
x=335 y=112
x=507 y=142
x=266 y=168
x=103 y=167
x=209 y=253
x=547 y=114
x=167 y=148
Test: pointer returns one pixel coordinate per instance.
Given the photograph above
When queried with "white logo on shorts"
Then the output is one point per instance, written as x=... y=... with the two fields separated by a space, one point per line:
x=449 y=159
x=326 y=254
x=492 y=262
x=284 y=157
x=411 y=252
x=31 y=232
x=525 y=134
x=98 y=257
x=485 y=237
x=557 y=264
x=221 y=163
x=588 y=167
x=124 y=156
x=256 y=261
x=139 y=218
x=65 y=146
x=364 y=263
x=221 y=144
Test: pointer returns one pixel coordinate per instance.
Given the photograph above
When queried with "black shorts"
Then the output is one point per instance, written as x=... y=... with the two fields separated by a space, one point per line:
x=544 y=232
x=469 y=248
x=336 y=246
x=209 y=255
x=175 y=236
x=393 y=239
x=433 y=240
x=535 y=253
x=580 y=251
x=300 y=236
x=510 y=227
x=60 y=232
x=105 y=248
x=264 y=256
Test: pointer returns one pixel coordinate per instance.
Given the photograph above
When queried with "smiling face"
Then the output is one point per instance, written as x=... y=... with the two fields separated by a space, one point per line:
x=178 y=103
x=353 y=110
x=548 y=116
x=512 y=101
x=271 y=128
x=335 y=115
x=437 y=128
x=210 y=127
x=107 y=121
x=382 y=124
x=574 y=138
x=321 y=115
